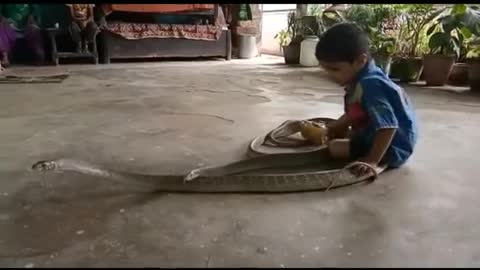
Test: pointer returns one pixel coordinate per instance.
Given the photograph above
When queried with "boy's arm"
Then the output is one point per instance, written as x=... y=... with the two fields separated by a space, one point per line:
x=382 y=141
x=381 y=115
x=339 y=126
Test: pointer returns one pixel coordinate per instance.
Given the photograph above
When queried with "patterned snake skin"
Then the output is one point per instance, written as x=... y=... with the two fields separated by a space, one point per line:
x=240 y=176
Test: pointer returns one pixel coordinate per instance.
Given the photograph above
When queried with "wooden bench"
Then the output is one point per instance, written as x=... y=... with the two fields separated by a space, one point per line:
x=55 y=55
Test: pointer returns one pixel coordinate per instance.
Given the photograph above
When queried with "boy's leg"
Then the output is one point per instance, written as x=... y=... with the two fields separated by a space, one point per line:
x=339 y=149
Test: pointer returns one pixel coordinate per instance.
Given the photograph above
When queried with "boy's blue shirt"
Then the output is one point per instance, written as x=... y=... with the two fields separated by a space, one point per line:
x=373 y=101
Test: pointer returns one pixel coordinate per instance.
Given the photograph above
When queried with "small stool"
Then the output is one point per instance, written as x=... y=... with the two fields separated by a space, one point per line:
x=56 y=55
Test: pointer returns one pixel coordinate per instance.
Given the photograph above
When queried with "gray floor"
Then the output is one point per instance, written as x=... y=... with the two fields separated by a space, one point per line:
x=171 y=117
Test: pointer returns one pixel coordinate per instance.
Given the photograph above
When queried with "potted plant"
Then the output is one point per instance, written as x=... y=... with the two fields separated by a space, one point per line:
x=469 y=20
x=407 y=65
x=379 y=21
x=444 y=50
x=451 y=43
x=382 y=31
x=309 y=22
x=459 y=73
x=473 y=60
x=289 y=40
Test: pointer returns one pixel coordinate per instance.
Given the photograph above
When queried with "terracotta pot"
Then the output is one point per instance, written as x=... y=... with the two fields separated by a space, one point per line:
x=291 y=53
x=459 y=74
x=436 y=68
x=406 y=69
x=474 y=73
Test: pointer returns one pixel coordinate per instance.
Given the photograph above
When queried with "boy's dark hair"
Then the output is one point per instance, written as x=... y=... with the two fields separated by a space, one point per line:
x=343 y=42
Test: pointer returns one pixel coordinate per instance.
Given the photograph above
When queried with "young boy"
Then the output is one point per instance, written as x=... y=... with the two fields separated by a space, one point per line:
x=379 y=120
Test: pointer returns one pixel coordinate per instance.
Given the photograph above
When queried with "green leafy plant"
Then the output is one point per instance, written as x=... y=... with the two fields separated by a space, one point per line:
x=414 y=20
x=380 y=22
x=285 y=36
x=315 y=9
x=473 y=46
x=452 y=32
x=330 y=17
x=296 y=29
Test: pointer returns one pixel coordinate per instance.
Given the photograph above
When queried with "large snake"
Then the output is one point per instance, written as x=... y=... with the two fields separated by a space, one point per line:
x=238 y=176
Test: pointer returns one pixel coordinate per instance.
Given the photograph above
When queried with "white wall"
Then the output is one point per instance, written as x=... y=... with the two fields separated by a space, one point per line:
x=273 y=21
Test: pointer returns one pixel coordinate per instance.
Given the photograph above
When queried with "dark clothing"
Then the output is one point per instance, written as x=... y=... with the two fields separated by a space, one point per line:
x=87 y=34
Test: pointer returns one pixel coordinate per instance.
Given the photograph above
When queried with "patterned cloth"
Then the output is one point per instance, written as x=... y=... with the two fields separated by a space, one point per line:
x=145 y=30
x=156 y=8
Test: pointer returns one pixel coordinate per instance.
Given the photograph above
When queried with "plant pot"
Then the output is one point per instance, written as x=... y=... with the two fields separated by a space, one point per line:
x=459 y=74
x=383 y=62
x=436 y=68
x=406 y=69
x=291 y=53
x=474 y=73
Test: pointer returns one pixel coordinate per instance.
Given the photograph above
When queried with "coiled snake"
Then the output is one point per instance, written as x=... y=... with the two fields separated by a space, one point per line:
x=238 y=176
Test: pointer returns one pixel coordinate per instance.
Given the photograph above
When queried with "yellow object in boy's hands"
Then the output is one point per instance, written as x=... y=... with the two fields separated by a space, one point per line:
x=314 y=132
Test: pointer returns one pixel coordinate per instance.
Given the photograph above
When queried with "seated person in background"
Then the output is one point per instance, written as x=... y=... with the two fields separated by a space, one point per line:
x=20 y=20
x=83 y=28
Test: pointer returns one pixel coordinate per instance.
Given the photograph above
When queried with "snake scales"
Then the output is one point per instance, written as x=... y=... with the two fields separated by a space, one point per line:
x=240 y=176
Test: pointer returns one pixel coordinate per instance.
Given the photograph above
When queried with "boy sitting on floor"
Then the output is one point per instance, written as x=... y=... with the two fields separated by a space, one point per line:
x=378 y=128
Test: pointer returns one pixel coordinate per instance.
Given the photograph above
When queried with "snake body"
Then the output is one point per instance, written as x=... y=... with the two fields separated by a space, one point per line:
x=240 y=176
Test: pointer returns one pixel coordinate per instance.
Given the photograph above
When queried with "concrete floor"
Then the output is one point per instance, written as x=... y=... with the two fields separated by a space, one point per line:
x=169 y=117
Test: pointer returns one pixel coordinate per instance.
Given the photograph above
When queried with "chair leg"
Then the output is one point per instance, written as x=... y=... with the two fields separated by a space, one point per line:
x=54 y=52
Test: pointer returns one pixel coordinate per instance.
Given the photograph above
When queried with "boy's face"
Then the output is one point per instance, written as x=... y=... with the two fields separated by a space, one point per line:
x=343 y=73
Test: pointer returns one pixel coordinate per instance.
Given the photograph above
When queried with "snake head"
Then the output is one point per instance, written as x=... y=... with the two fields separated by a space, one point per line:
x=192 y=175
x=43 y=165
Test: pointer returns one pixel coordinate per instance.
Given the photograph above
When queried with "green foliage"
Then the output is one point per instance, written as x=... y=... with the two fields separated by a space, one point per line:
x=453 y=32
x=285 y=36
x=315 y=9
x=472 y=48
x=399 y=29
x=414 y=20
x=379 y=21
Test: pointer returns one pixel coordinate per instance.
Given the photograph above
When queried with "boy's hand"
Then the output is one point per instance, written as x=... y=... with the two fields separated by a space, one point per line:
x=332 y=132
x=338 y=128
x=362 y=167
x=314 y=133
